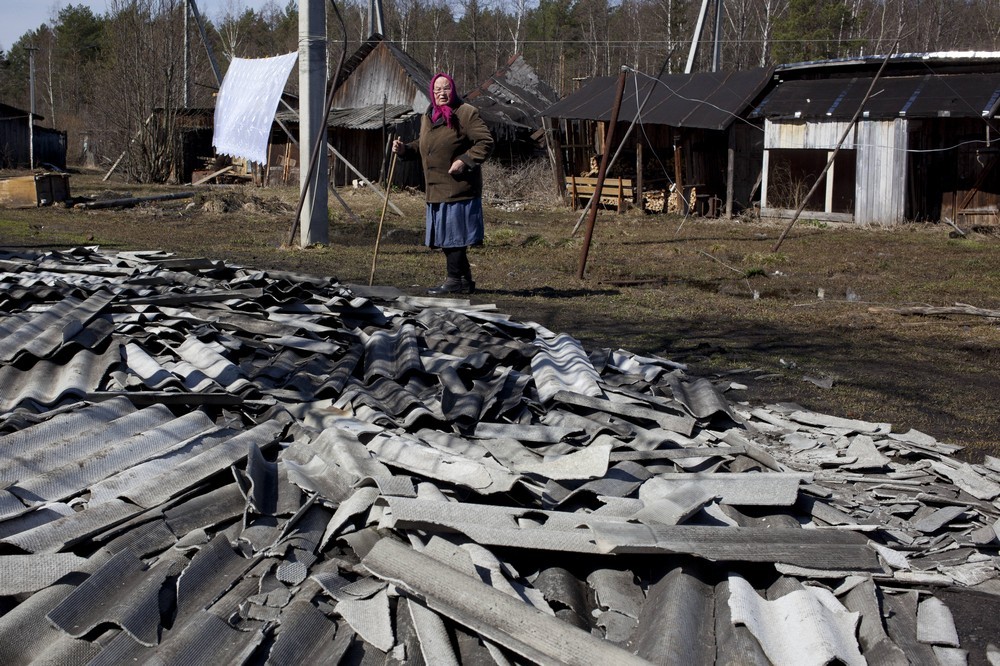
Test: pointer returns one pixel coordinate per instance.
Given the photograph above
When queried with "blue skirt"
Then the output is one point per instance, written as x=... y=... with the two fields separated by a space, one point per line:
x=454 y=223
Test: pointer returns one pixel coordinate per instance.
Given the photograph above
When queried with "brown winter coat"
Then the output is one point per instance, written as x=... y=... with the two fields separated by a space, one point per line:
x=440 y=145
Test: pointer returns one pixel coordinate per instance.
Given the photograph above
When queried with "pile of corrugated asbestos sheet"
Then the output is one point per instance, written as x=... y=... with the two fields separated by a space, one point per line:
x=209 y=464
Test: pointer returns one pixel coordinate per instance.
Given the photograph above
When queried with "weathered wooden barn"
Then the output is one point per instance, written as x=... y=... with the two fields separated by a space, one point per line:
x=383 y=93
x=925 y=146
x=686 y=128
x=511 y=102
x=15 y=139
x=193 y=151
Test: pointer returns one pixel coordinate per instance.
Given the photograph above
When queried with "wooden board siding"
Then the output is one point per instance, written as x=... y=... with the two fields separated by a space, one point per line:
x=880 y=167
x=50 y=144
x=796 y=134
x=881 y=172
x=954 y=161
x=379 y=79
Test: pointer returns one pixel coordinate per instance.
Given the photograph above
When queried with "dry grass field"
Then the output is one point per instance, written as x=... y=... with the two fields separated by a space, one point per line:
x=815 y=323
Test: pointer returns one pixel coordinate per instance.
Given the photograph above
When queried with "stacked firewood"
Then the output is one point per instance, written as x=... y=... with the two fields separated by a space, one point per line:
x=654 y=201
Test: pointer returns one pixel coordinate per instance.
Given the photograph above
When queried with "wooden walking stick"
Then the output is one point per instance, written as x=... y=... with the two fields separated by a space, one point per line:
x=385 y=204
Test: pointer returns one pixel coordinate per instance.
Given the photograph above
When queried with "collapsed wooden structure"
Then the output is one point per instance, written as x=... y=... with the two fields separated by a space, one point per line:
x=510 y=102
x=382 y=94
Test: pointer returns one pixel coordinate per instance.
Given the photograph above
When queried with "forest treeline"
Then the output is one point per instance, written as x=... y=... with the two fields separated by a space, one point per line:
x=101 y=76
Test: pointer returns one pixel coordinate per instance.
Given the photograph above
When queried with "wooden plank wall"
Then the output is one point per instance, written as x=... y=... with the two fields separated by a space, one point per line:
x=881 y=162
x=880 y=198
x=13 y=142
x=379 y=78
x=808 y=135
x=50 y=144
x=748 y=147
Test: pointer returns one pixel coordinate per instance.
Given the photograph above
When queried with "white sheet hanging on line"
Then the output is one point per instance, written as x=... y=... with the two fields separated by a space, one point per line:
x=246 y=105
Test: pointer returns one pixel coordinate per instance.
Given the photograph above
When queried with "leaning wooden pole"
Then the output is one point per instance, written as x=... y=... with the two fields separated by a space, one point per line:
x=601 y=173
x=385 y=204
x=833 y=155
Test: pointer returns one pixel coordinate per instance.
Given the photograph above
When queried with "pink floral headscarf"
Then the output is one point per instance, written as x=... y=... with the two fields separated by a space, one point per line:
x=445 y=111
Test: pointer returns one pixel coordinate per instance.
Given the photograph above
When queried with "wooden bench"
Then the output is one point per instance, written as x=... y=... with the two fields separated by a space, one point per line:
x=618 y=192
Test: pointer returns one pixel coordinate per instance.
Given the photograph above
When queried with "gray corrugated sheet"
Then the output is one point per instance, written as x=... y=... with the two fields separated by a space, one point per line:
x=46 y=383
x=113 y=456
x=413 y=434
x=923 y=96
x=706 y=100
x=30 y=443
x=43 y=334
x=122 y=591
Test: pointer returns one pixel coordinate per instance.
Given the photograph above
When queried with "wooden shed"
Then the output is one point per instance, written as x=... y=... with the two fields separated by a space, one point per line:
x=924 y=146
x=15 y=139
x=383 y=94
x=686 y=129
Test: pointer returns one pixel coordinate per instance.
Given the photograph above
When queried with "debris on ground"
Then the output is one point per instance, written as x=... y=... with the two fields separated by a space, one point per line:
x=232 y=200
x=212 y=463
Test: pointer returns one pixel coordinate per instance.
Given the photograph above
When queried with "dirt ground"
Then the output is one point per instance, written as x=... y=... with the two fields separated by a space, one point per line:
x=814 y=322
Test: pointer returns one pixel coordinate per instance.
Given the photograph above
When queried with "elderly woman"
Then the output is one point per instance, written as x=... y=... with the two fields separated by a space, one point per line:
x=453 y=143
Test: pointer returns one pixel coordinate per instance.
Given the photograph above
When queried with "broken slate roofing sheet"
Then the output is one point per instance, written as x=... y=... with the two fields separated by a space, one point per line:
x=205 y=462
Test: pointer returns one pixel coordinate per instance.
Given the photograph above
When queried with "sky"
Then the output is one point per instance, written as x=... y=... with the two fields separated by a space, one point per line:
x=19 y=16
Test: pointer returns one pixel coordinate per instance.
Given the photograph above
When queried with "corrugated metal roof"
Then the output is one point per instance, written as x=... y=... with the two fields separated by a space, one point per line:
x=288 y=470
x=706 y=100
x=937 y=60
x=372 y=117
x=924 y=96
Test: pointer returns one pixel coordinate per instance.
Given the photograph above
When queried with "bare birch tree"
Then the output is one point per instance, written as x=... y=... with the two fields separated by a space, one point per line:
x=140 y=85
x=771 y=11
x=520 y=9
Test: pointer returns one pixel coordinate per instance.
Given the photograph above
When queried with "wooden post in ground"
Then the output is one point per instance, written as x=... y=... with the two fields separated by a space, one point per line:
x=601 y=173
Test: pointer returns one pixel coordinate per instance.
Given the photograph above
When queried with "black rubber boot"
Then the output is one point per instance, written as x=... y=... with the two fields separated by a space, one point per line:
x=450 y=286
x=458 y=266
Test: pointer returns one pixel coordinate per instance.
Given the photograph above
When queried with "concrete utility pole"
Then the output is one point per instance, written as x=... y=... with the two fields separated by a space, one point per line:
x=314 y=217
x=187 y=53
x=31 y=107
x=699 y=28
